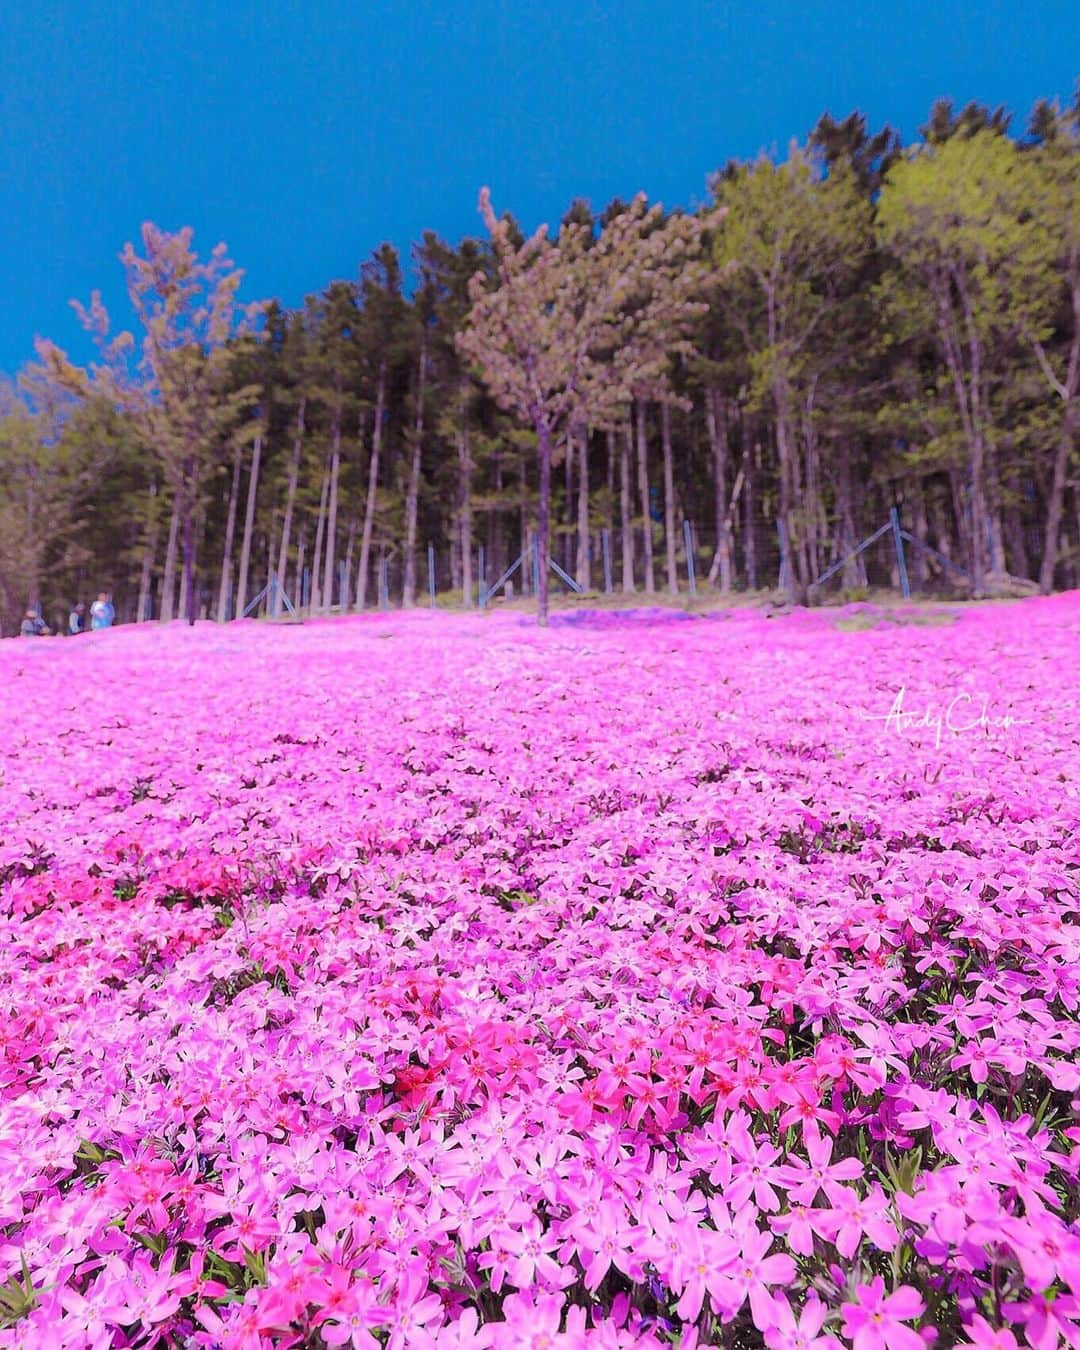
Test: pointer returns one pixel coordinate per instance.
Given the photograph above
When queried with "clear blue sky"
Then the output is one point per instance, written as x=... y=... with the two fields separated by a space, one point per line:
x=304 y=132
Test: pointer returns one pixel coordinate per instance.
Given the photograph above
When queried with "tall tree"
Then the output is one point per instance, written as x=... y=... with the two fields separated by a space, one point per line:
x=945 y=217
x=385 y=319
x=174 y=383
x=335 y=359
x=545 y=336
x=1049 y=191
x=788 y=243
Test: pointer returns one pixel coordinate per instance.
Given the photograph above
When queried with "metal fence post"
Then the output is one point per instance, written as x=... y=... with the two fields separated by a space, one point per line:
x=305 y=595
x=481 y=580
x=900 y=563
x=688 y=540
x=605 y=542
x=431 y=573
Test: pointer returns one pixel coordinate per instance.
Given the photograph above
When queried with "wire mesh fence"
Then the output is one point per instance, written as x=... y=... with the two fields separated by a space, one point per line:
x=614 y=563
x=501 y=566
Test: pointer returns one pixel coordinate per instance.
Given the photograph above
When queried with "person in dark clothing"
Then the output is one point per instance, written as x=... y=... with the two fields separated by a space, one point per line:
x=33 y=625
x=77 y=619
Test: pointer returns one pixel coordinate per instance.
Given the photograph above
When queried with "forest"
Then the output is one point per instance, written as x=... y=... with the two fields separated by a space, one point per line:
x=847 y=329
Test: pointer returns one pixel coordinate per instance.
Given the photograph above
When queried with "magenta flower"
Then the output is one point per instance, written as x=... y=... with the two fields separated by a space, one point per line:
x=805 y=1181
x=875 y=1321
x=389 y=973
x=700 y=1268
x=788 y=1330
x=753 y=1273
x=415 y=1318
x=529 y=1249
x=852 y=1216
x=987 y=1337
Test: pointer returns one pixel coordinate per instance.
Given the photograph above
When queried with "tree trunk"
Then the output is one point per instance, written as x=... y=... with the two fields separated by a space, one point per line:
x=784 y=514
x=290 y=502
x=1055 y=506
x=963 y=360
x=922 y=531
x=939 y=515
x=643 y=493
x=609 y=503
x=453 y=540
x=1076 y=555
x=230 y=530
x=995 y=533
x=301 y=550
x=961 y=517
x=581 y=570
x=1018 y=565
x=331 y=522
x=350 y=546
x=167 y=605
x=1066 y=390
x=543 y=521
x=148 y=556
x=182 y=601
x=497 y=560
x=716 y=426
x=526 y=560
x=815 y=526
x=626 y=514
x=669 y=497
x=320 y=535
x=568 y=468
x=465 y=474
x=268 y=606
x=412 y=494
x=249 y=523
x=749 y=538
x=853 y=572
x=190 y=507
x=34 y=535
x=372 y=490
x=793 y=552
x=200 y=607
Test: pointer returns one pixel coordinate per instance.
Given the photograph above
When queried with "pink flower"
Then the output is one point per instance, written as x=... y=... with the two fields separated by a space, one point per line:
x=349 y=1310
x=701 y=1268
x=533 y=1322
x=800 y=1224
x=415 y=1318
x=853 y=1215
x=530 y=1249
x=804 y=1182
x=1046 y=1248
x=980 y=1333
x=876 y=1321
x=788 y=1331
x=752 y=1274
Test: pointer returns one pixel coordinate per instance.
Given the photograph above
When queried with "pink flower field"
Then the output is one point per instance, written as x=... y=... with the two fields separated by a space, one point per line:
x=426 y=980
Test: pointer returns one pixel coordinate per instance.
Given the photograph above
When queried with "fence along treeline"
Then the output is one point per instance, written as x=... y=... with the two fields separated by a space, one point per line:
x=848 y=329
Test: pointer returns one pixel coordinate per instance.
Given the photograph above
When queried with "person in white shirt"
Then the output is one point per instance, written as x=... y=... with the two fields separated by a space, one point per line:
x=102 y=612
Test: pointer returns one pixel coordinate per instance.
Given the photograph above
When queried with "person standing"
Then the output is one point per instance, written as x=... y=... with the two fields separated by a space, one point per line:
x=33 y=625
x=101 y=612
x=77 y=619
